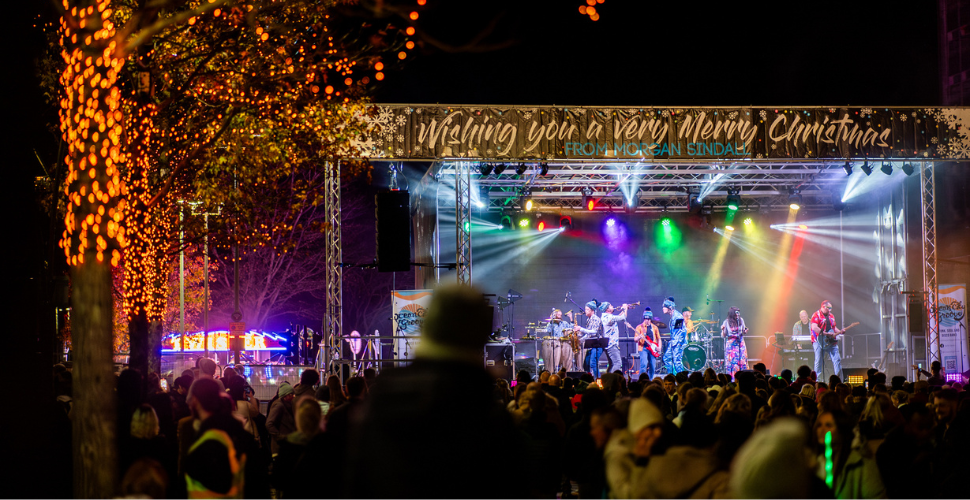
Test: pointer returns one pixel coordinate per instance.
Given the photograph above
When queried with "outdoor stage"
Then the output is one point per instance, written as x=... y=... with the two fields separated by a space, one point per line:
x=635 y=204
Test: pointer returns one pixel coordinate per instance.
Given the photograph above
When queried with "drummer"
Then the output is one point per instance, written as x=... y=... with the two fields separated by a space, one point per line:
x=688 y=324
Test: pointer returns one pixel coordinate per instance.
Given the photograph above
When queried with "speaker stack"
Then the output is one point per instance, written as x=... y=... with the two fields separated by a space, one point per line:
x=393 y=231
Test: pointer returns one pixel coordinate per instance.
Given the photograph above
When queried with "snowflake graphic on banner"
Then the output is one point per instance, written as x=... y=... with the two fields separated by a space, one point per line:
x=401 y=120
x=763 y=114
x=865 y=111
x=935 y=140
x=902 y=117
x=732 y=115
x=665 y=113
x=957 y=120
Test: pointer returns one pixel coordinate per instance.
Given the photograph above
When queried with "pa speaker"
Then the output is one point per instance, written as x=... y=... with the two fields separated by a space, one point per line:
x=393 y=232
x=916 y=322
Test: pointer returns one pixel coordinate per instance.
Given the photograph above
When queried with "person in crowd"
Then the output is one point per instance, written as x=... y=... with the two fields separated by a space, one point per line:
x=746 y=385
x=281 y=419
x=145 y=442
x=420 y=416
x=804 y=377
x=214 y=466
x=756 y=471
x=581 y=461
x=854 y=473
x=541 y=447
x=308 y=380
x=908 y=448
x=146 y=478
x=180 y=389
x=207 y=370
x=246 y=409
x=309 y=423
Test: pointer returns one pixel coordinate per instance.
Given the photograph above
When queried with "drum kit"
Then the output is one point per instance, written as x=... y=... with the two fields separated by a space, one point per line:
x=699 y=352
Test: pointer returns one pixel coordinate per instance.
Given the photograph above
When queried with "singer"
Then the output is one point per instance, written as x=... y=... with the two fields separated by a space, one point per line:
x=735 y=352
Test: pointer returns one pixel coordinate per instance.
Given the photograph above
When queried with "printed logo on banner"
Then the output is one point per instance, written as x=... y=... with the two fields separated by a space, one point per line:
x=408 y=308
x=952 y=314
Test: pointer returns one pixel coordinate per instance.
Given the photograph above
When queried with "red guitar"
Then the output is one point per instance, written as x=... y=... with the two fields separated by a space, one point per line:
x=643 y=340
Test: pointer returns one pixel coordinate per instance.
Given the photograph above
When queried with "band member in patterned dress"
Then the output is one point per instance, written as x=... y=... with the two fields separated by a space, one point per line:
x=674 y=355
x=735 y=352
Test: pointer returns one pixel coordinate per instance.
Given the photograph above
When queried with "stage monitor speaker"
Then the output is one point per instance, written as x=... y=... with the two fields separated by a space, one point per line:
x=916 y=322
x=575 y=375
x=393 y=231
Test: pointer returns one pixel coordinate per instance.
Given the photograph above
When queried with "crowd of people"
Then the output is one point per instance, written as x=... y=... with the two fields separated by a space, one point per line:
x=443 y=427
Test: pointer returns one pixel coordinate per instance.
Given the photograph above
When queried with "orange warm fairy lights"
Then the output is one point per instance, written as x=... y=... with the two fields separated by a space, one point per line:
x=90 y=119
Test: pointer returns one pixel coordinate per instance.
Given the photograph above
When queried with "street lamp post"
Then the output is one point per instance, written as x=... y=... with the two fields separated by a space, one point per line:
x=205 y=264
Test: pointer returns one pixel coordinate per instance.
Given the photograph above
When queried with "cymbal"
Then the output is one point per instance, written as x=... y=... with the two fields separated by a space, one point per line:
x=704 y=321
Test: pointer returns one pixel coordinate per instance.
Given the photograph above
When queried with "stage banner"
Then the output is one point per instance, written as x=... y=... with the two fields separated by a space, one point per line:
x=514 y=133
x=408 y=308
x=953 y=328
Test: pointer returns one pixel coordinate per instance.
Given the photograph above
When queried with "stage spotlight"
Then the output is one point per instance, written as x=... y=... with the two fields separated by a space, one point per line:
x=748 y=222
x=527 y=203
x=838 y=204
x=483 y=197
x=848 y=168
x=485 y=169
x=802 y=226
x=540 y=222
x=588 y=201
x=543 y=168
x=866 y=168
x=634 y=201
x=908 y=169
x=610 y=222
x=734 y=199
x=523 y=222
x=565 y=222
x=665 y=222
x=500 y=168
x=729 y=228
x=794 y=199
x=520 y=169
x=507 y=222
x=693 y=205
x=887 y=168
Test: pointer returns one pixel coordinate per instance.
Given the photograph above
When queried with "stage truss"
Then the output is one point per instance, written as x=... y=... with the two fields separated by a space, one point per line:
x=661 y=186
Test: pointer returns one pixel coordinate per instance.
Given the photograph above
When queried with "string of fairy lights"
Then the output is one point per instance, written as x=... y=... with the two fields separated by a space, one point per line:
x=218 y=106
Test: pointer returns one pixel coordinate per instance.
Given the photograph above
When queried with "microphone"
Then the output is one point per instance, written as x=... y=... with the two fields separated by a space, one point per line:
x=567 y=298
x=708 y=299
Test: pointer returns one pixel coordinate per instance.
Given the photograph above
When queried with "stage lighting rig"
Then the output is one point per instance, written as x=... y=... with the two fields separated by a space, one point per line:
x=866 y=168
x=693 y=205
x=507 y=222
x=483 y=197
x=634 y=201
x=848 y=168
x=565 y=223
x=887 y=168
x=794 y=199
x=588 y=202
x=500 y=168
x=520 y=169
x=543 y=168
x=540 y=222
x=485 y=169
x=734 y=199
x=908 y=169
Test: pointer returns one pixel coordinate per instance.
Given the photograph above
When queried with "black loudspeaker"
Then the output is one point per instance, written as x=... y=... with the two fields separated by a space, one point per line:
x=916 y=322
x=393 y=231
x=498 y=360
x=575 y=375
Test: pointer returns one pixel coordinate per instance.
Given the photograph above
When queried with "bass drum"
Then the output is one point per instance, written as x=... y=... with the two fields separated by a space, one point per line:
x=695 y=358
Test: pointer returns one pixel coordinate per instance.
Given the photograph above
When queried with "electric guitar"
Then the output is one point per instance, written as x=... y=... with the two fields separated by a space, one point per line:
x=643 y=340
x=829 y=338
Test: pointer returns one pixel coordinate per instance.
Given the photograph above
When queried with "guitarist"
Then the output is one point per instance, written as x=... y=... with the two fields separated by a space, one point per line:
x=647 y=338
x=824 y=333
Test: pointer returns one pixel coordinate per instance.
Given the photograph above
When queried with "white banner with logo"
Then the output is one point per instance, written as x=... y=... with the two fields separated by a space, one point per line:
x=953 y=328
x=408 y=307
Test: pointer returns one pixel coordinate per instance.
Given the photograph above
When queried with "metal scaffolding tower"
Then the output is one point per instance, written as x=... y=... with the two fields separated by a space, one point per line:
x=930 y=284
x=463 y=217
x=332 y=321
